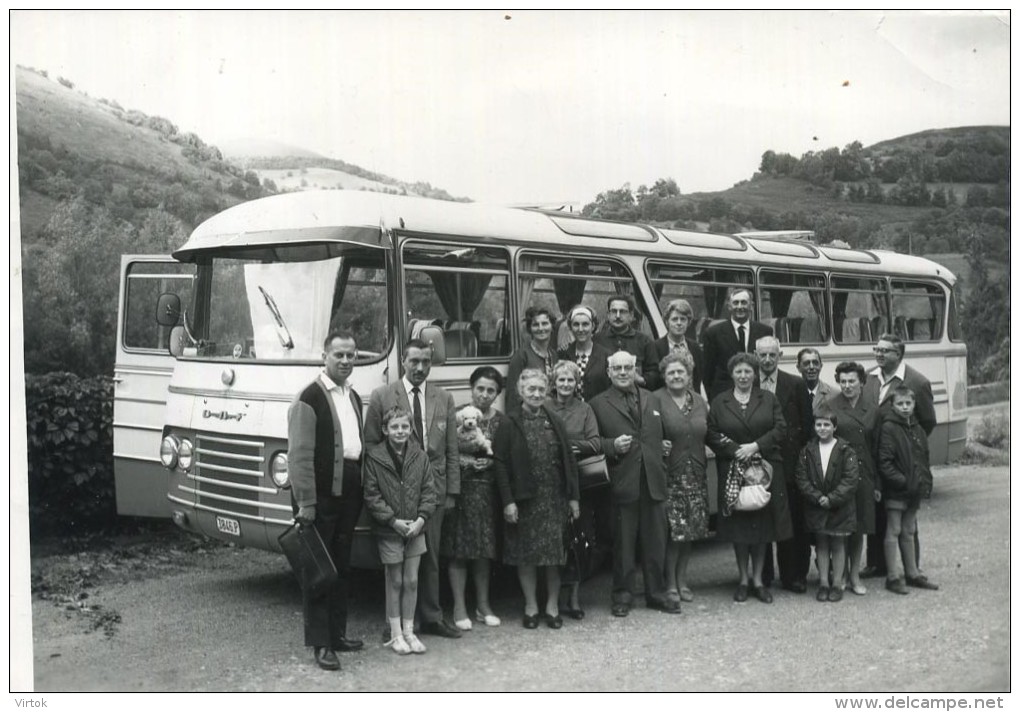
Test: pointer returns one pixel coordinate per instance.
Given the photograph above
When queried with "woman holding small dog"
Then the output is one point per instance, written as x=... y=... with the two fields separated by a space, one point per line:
x=469 y=530
x=583 y=433
x=537 y=478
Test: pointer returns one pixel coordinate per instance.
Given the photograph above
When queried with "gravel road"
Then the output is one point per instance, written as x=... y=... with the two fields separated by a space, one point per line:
x=229 y=619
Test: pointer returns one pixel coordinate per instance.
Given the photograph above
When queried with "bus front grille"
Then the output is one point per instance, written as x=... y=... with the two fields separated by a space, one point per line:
x=229 y=473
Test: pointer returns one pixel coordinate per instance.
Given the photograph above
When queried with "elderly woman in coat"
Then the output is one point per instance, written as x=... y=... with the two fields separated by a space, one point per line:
x=537 y=478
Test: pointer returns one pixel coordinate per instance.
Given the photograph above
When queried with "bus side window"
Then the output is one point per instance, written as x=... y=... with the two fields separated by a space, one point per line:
x=704 y=288
x=859 y=309
x=145 y=281
x=794 y=300
x=917 y=310
x=560 y=282
x=461 y=289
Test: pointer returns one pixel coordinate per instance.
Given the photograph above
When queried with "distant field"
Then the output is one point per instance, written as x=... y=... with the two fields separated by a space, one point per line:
x=956 y=262
x=321 y=178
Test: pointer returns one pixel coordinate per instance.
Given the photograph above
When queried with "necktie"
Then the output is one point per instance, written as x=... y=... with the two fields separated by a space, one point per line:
x=416 y=392
x=634 y=407
x=740 y=337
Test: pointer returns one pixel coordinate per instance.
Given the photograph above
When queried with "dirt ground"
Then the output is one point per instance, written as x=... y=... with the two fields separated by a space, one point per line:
x=180 y=615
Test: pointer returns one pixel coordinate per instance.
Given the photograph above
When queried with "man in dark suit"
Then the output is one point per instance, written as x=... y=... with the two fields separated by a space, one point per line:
x=794 y=554
x=631 y=432
x=434 y=427
x=324 y=446
x=620 y=335
x=882 y=381
x=720 y=341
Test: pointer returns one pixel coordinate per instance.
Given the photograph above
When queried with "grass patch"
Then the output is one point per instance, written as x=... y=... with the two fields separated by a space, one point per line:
x=986 y=393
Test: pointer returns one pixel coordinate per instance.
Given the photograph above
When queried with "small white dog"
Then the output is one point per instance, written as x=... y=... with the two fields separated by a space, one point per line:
x=470 y=439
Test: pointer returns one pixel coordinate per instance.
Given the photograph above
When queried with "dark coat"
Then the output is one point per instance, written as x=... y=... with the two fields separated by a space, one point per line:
x=596 y=374
x=521 y=359
x=633 y=342
x=718 y=344
x=512 y=459
x=838 y=483
x=924 y=406
x=646 y=452
x=728 y=428
x=858 y=426
x=389 y=495
x=662 y=349
x=792 y=394
x=903 y=460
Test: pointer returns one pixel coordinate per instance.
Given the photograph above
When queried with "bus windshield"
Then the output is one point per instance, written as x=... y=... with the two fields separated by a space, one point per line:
x=256 y=310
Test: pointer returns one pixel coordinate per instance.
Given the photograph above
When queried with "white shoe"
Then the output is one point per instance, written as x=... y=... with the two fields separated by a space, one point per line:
x=400 y=645
x=414 y=644
x=463 y=623
x=488 y=620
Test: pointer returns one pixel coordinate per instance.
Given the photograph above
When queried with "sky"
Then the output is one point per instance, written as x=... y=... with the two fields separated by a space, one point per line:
x=537 y=107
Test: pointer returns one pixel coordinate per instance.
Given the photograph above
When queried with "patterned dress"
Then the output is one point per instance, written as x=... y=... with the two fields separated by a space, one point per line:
x=469 y=529
x=537 y=538
x=685 y=426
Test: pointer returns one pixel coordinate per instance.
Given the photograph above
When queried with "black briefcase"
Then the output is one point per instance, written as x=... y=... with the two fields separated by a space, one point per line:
x=308 y=557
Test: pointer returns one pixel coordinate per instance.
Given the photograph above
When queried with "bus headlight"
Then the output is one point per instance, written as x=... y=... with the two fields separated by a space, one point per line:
x=185 y=454
x=278 y=470
x=168 y=450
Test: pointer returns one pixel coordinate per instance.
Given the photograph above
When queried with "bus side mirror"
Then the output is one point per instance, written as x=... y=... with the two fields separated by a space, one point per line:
x=178 y=337
x=168 y=309
x=433 y=336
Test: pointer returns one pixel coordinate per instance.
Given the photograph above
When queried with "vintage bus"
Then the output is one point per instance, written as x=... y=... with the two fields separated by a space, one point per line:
x=214 y=343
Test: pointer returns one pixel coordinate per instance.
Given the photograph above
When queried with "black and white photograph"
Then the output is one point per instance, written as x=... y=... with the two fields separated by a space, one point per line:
x=496 y=351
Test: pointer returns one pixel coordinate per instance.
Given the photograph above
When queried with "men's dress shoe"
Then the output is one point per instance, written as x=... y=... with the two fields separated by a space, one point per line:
x=326 y=659
x=440 y=628
x=872 y=572
x=795 y=586
x=620 y=610
x=922 y=582
x=664 y=606
x=346 y=645
x=741 y=594
x=835 y=595
x=554 y=622
x=896 y=585
x=762 y=593
x=530 y=622
x=575 y=613
x=823 y=594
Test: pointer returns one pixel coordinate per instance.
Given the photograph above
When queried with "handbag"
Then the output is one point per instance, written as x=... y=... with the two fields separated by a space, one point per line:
x=592 y=472
x=754 y=491
x=308 y=557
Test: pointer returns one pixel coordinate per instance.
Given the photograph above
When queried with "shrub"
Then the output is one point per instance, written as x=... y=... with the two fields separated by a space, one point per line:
x=993 y=430
x=70 y=453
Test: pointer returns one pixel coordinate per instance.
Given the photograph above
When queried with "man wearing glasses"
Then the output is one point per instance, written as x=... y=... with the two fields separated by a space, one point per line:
x=882 y=381
x=631 y=432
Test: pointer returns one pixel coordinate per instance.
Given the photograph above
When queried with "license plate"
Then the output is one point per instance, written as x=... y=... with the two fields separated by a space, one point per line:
x=228 y=526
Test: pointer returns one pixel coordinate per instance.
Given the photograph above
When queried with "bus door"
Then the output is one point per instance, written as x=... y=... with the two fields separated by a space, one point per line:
x=141 y=377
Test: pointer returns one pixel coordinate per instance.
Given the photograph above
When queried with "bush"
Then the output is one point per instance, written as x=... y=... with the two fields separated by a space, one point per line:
x=993 y=430
x=70 y=454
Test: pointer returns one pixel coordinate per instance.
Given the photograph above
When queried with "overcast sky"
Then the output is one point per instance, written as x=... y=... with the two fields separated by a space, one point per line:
x=538 y=106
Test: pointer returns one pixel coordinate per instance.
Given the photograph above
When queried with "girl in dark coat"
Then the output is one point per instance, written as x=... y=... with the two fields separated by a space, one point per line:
x=827 y=479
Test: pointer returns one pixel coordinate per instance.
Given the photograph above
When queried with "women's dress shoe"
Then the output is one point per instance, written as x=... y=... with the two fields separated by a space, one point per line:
x=399 y=645
x=823 y=594
x=488 y=619
x=741 y=594
x=620 y=610
x=530 y=622
x=762 y=593
x=858 y=589
x=575 y=613
x=555 y=622
x=463 y=623
x=414 y=644
x=835 y=594
x=686 y=594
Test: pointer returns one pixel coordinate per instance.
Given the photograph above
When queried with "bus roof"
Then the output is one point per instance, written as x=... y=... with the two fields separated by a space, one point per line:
x=365 y=218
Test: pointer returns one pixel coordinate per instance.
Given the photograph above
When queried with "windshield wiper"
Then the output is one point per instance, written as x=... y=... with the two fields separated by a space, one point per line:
x=281 y=328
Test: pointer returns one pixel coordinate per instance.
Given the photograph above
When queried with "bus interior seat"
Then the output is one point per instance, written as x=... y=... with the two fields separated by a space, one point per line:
x=461 y=343
x=414 y=326
x=811 y=330
x=563 y=336
x=920 y=329
x=851 y=331
x=502 y=337
x=867 y=334
x=879 y=326
x=900 y=328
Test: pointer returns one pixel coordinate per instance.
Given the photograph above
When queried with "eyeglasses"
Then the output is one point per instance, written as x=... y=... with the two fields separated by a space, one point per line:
x=878 y=350
x=618 y=369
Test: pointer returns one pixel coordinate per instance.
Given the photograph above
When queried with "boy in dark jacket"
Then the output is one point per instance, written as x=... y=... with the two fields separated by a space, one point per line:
x=400 y=494
x=906 y=479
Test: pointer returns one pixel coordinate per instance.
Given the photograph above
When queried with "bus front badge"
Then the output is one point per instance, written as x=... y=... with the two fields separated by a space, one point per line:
x=227 y=376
